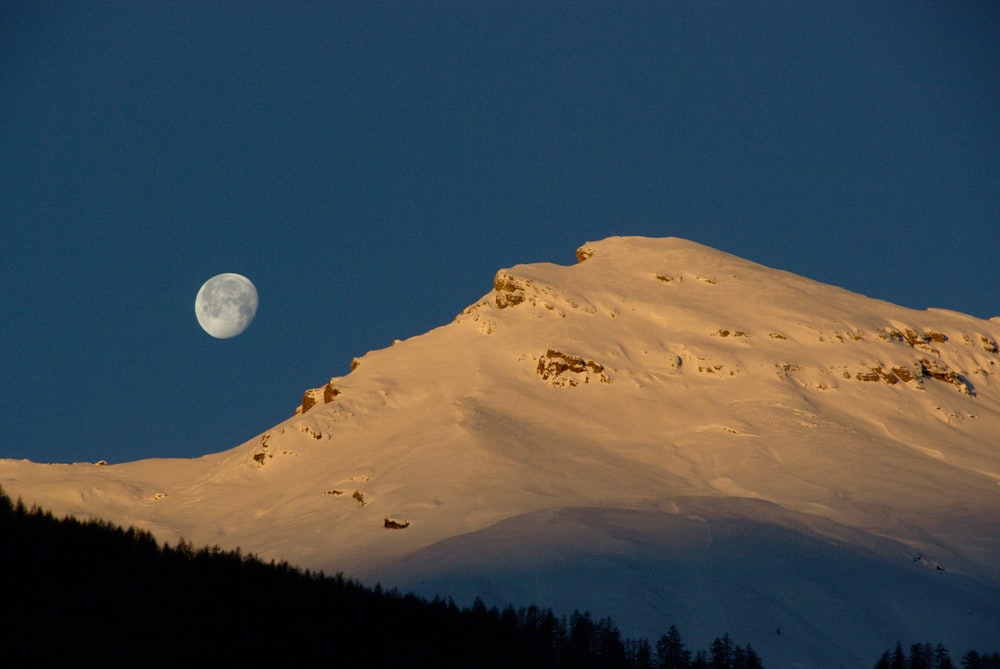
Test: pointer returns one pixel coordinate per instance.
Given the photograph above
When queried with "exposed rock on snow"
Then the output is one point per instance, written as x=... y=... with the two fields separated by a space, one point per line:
x=509 y=291
x=941 y=372
x=326 y=394
x=565 y=370
x=391 y=524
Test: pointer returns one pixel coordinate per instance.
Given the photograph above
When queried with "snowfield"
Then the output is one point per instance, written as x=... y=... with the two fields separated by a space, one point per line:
x=663 y=433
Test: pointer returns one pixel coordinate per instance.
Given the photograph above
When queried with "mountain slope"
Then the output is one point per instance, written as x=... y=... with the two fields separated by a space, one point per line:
x=662 y=432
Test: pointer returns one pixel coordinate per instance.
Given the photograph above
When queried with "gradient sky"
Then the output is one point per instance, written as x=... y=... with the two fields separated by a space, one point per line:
x=371 y=165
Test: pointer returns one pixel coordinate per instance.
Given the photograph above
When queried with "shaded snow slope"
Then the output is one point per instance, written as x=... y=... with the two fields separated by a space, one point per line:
x=630 y=400
x=799 y=598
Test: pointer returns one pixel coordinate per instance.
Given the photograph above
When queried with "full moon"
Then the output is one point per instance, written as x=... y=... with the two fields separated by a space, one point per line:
x=226 y=304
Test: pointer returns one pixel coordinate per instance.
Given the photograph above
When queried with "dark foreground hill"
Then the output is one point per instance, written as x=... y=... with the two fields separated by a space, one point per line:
x=95 y=594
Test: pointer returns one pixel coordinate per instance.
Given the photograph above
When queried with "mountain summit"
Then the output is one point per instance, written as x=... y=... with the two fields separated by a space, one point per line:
x=663 y=433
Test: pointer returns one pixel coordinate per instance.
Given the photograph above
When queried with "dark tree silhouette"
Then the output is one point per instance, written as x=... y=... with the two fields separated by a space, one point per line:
x=670 y=651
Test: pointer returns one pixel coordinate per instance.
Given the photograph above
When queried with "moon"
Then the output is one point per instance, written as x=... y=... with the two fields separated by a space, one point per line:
x=226 y=305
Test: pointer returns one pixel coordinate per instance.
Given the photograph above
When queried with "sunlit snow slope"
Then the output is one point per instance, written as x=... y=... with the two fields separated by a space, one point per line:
x=663 y=433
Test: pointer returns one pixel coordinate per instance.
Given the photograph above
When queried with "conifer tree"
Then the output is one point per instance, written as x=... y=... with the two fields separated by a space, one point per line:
x=642 y=656
x=883 y=662
x=753 y=659
x=898 y=658
x=739 y=659
x=610 y=648
x=581 y=640
x=920 y=656
x=971 y=660
x=670 y=651
x=941 y=658
x=721 y=652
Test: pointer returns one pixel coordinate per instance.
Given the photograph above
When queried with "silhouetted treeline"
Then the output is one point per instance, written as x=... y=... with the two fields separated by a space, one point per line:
x=926 y=656
x=94 y=594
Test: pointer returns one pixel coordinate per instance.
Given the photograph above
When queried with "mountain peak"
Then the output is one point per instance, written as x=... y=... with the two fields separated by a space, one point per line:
x=658 y=408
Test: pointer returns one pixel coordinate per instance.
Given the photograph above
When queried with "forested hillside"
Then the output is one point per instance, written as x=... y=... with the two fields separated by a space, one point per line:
x=92 y=593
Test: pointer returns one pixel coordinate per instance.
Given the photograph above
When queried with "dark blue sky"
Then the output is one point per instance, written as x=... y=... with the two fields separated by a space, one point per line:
x=371 y=165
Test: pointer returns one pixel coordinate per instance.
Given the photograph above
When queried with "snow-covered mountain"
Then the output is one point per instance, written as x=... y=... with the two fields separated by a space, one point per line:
x=663 y=433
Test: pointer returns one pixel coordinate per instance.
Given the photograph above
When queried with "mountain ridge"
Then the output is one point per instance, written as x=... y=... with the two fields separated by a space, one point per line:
x=656 y=379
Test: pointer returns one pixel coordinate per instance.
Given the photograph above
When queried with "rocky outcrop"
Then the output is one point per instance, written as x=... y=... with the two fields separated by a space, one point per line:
x=262 y=455
x=726 y=333
x=564 y=370
x=509 y=291
x=914 y=338
x=391 y=524
x=916 y=374
x=314 y=396
x=891 y=375
x=309 y=400
x=941 y=372
x=921 y=354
